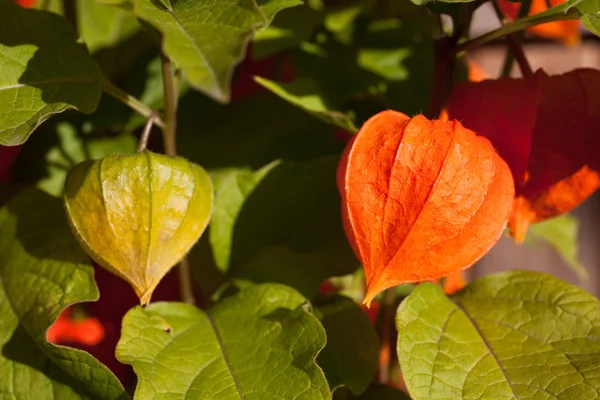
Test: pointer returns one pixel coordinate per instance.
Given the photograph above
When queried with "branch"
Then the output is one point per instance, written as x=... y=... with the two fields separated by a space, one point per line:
x=171 y=94
x=129 y=100
x=560 y=12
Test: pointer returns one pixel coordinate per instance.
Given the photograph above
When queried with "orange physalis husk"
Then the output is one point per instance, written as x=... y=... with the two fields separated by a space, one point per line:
x=88 y=331
x=455 y=282
x=476 y=73
x=567 y=31
x=421 y=199
x=546 y=128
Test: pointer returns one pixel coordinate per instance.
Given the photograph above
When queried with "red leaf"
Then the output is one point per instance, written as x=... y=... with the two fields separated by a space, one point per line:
x=420 y=199
x=545 y=127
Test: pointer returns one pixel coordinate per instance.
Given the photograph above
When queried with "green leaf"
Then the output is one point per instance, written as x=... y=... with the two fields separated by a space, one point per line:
x=352 y=351
x=47 y=158
x=306 y=95
x=561 y=233
x=208 y=39
x=104 y=26
x=590 y=10
x=271 y=7
x=374 y=392
x=113 y=35
x=288 y=30
x=513 y=335
x=259 y=343
x=282 y=224
x=43 y=71
x=42 y=271
x=240 y=135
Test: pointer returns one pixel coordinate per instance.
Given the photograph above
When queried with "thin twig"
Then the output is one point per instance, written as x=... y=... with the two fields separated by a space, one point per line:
x=560 y=12
x=170 y=143
x=129 y=100
x=143 y=143
x=515 y=48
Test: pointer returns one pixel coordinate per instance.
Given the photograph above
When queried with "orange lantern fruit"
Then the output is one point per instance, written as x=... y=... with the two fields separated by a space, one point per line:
x=421 y=199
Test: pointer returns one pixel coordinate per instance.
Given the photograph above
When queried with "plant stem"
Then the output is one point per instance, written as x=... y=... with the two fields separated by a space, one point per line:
x=519 y=55
x=170 y=143
x=515 y=48
x=171 y=99
x=143 y=143
x=560 y=12
x=130 y=101
x=385 y=334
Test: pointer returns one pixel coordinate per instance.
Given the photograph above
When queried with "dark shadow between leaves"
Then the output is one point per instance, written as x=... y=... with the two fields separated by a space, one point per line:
x=289 y=229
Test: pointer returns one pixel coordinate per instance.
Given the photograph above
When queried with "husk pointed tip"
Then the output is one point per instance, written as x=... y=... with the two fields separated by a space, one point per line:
x=520 y=219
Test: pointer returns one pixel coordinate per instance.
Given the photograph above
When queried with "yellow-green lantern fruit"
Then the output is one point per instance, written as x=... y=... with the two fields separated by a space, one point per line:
x=138 y=215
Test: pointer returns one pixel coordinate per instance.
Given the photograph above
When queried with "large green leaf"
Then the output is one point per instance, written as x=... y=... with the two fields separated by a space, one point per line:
x=306 y=95
x=513 y=335
x=258 y=344
x=561 y=233
x=43 y=71
x=208 y=39
x=282 y=225
x=42 y=271
x=352 y=351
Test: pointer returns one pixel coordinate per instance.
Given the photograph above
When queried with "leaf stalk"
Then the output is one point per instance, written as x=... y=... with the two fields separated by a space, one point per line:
x=109 y=88
x=171 y=92
x=560 y=12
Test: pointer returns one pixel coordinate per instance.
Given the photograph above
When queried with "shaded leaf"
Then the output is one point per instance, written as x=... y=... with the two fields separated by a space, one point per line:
x=284 y=228
x=43 y=71
x=352 y=351
x=288 y=30
x=42 y=271
x=561 y=233
x=306 y=95
x=47 y=158
x=287 y=133
x=512 y=335
x=259 y=343
x=103 y=26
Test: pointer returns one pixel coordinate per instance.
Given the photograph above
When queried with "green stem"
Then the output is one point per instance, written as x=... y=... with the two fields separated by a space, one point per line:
x=130 y=101
x=170 y=144
x=143 y=143
x=560 y=12
x=170 y=129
